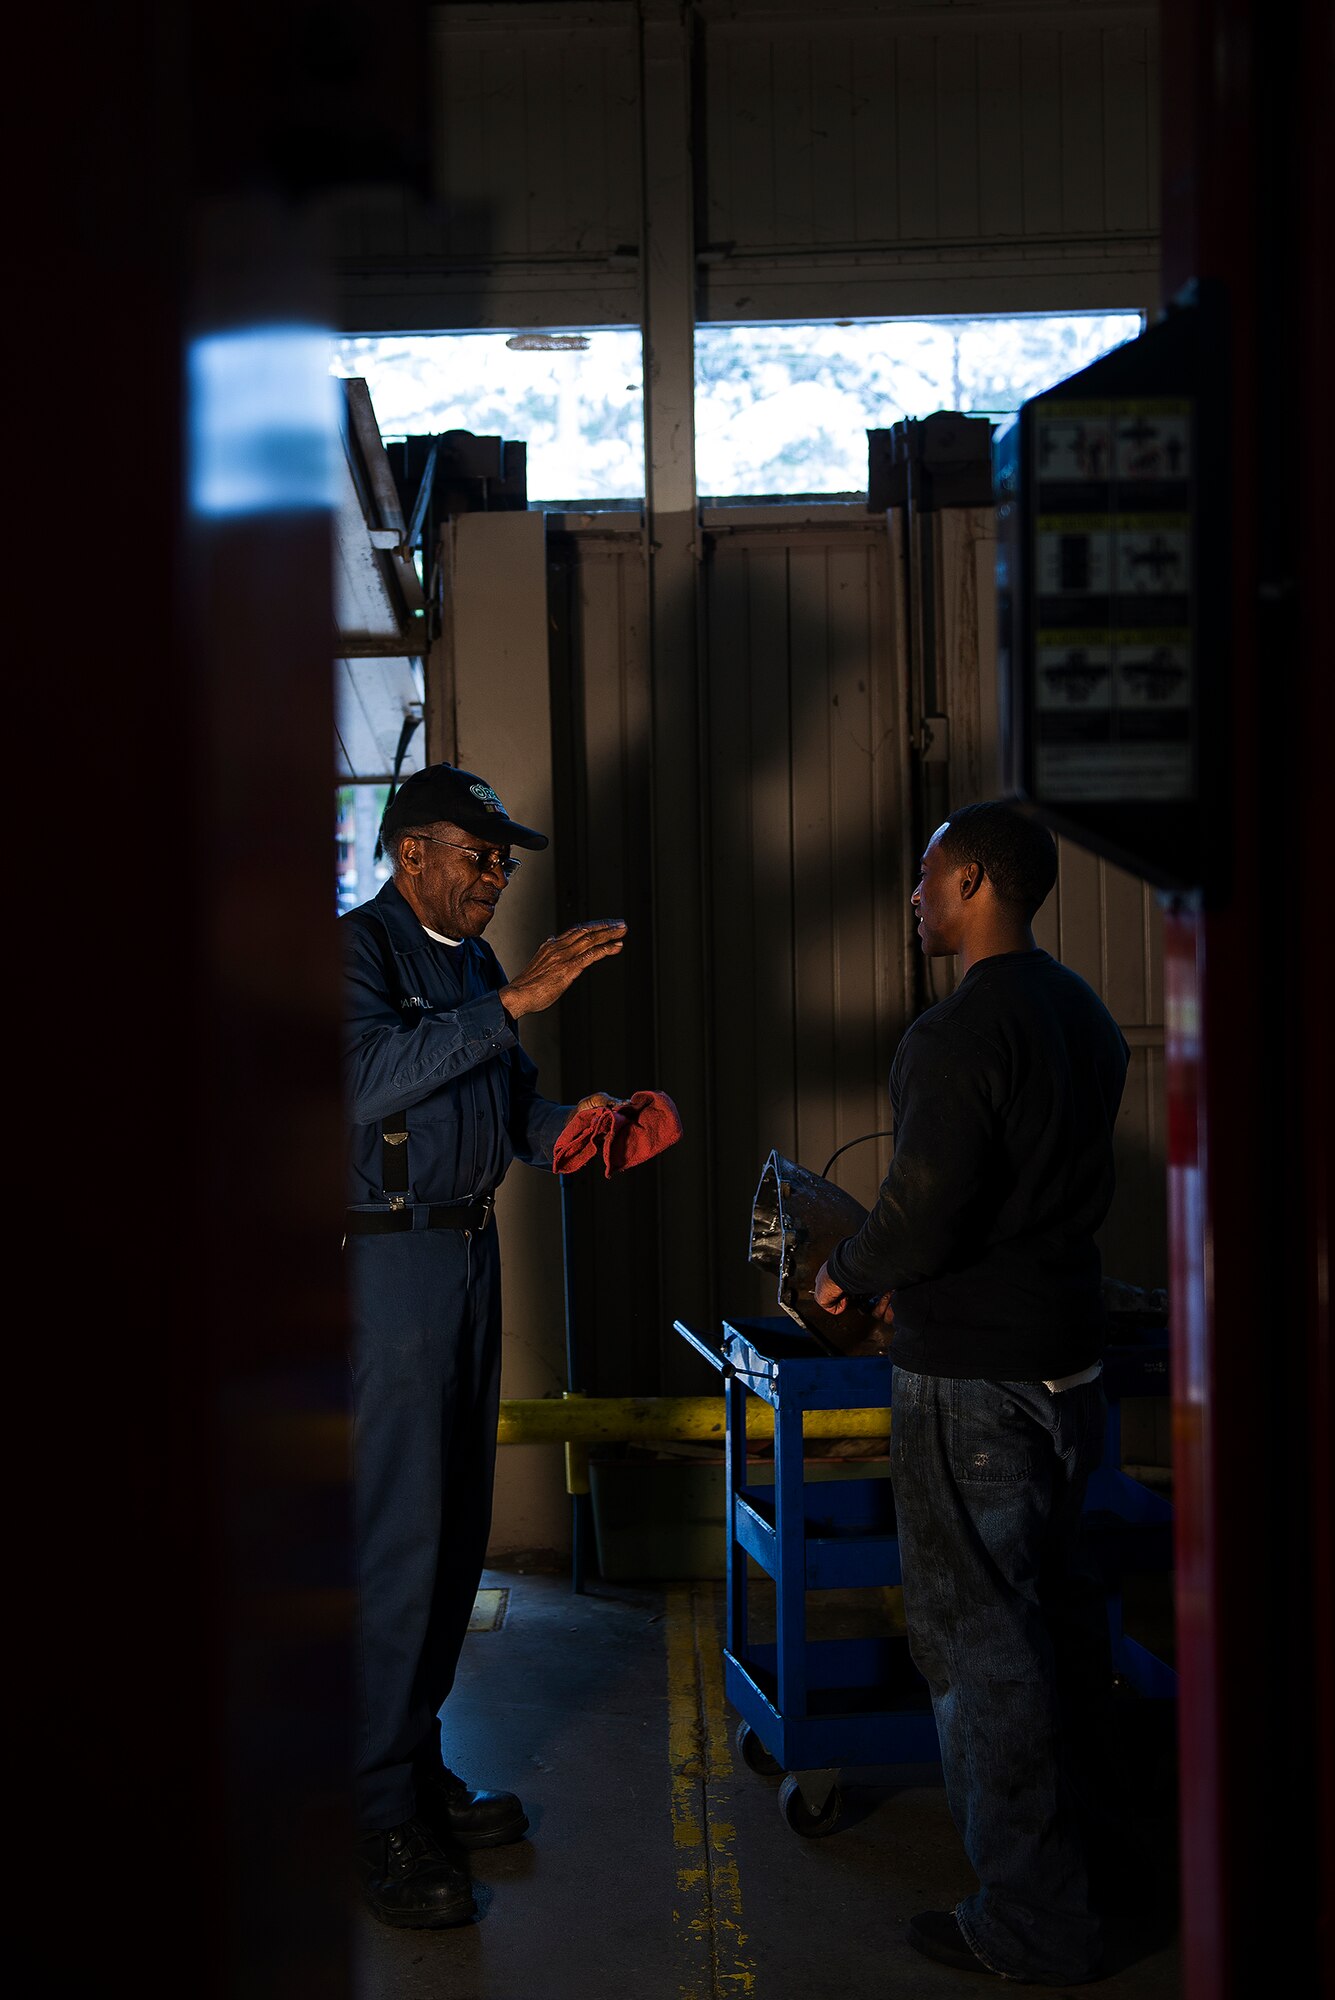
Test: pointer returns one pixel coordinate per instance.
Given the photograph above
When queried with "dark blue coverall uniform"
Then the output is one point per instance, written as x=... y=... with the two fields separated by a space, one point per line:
x=429 y=1049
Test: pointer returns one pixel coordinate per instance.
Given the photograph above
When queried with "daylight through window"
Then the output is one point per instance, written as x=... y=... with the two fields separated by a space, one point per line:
x=779 y=409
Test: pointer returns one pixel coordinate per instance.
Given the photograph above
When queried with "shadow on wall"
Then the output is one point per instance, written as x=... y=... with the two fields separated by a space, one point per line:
x=807 y=788
x=1134 y=1239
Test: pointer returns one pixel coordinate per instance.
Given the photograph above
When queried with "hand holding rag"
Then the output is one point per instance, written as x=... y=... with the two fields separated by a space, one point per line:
x=625 y=1132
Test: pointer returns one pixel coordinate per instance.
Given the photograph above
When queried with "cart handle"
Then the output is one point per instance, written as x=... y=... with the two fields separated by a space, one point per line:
x=713 y=1355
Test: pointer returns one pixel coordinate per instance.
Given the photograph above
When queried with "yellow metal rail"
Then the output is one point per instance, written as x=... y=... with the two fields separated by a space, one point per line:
x=575 y=1419
x=580 y=1421
x=315 y=1446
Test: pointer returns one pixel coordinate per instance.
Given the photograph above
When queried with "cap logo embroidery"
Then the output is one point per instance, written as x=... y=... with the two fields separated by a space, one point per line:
x=488 y=798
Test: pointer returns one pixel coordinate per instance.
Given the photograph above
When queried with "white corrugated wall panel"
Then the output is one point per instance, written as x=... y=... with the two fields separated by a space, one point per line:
x=806 y=770
x=895 y=129
x=539 y=127
x=602 y=860
x=850 y=161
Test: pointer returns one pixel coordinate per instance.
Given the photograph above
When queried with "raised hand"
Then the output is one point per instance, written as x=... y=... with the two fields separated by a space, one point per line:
x=558 y=963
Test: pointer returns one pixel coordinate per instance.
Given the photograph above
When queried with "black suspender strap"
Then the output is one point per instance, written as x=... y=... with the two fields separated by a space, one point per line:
x=394 y=1159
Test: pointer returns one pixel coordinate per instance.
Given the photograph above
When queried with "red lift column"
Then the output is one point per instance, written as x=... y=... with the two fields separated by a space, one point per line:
x=1247 y=113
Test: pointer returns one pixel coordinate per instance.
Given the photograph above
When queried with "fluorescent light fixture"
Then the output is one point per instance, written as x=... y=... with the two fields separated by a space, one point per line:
x=548 y=343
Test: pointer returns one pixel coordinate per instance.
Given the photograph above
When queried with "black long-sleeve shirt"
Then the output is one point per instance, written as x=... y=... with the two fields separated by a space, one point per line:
x=1004 y=1097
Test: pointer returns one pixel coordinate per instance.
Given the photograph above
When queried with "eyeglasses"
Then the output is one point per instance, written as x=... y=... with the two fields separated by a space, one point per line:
x=484 y=865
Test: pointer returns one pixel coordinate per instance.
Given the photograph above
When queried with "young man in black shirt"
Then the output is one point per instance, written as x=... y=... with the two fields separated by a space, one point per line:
x=980 y=1251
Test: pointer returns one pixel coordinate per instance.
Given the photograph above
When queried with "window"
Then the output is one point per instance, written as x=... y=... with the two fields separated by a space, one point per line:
x=575 y=400
x=357 y=873
x=779 y=409
x=785 y=409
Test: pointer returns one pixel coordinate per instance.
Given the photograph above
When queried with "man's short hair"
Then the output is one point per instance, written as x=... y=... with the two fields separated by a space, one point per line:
x=1016 y=853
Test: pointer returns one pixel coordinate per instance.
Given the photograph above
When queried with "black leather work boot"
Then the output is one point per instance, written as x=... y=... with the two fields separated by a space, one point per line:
x=409 y=1880
x=468 y=1818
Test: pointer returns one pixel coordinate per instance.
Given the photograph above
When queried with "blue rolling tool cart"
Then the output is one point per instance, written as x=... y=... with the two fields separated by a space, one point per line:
x=810 y=1707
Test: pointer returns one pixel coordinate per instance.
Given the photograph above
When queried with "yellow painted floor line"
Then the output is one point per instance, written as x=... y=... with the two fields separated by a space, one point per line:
x=707 y=1913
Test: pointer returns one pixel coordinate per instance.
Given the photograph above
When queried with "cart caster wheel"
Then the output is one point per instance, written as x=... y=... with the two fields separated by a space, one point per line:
x=798 y=1813
x=754 y=1754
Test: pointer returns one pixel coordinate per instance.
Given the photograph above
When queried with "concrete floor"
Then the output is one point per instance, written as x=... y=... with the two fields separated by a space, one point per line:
x=658 y=1865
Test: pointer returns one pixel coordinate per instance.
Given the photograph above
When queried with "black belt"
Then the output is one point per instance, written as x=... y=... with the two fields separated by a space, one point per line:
x=473 y=1215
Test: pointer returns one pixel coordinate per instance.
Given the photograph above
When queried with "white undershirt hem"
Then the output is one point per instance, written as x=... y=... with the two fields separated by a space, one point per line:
x=1090 y=1374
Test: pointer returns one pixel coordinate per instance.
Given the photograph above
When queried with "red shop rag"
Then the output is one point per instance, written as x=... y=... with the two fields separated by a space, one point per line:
x=645 y=1123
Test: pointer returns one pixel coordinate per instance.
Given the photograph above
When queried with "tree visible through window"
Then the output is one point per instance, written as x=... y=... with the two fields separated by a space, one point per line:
x=779 y=409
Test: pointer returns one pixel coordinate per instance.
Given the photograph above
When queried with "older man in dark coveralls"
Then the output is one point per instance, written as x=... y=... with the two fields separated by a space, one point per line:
x=441 y=1098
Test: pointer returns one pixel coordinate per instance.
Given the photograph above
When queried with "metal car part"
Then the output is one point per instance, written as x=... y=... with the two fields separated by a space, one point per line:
x=797 y=1217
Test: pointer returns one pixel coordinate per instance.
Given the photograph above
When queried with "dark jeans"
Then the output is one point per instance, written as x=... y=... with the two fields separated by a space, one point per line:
x=1010 y=1631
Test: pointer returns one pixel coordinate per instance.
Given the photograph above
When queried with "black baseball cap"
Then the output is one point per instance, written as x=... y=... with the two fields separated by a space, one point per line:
x=444 y=792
